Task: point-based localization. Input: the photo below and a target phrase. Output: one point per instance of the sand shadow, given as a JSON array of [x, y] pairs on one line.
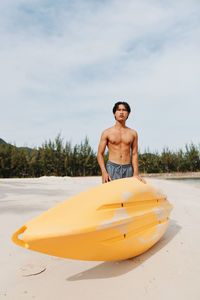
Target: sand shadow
[[117, 268]]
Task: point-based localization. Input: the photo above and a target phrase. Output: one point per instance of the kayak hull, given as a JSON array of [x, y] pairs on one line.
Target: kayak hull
[[114, 221]]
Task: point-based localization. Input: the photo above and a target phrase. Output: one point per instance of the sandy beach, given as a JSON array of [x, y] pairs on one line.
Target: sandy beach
[[169, 270]]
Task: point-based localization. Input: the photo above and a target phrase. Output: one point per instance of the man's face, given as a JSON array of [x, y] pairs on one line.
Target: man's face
[[121, 113]]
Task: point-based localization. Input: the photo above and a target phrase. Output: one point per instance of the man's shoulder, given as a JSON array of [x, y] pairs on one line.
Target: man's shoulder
[[108, 130], [132, 131]]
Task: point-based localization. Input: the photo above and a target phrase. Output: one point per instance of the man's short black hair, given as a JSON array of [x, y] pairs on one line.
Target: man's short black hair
[[115, 107]]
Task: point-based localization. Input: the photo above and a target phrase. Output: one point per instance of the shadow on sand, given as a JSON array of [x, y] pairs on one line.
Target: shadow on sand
[[117, 268]]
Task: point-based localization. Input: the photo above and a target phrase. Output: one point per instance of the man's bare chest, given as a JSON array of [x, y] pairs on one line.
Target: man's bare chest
[[120, 138]]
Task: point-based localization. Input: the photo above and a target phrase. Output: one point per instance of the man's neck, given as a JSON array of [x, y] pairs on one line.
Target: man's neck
[[120, 125]]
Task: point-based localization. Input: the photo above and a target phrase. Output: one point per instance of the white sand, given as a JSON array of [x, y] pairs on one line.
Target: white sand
[[169, 270]]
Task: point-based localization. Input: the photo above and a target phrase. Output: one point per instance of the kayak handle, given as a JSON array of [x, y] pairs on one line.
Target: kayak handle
[[18, 241]]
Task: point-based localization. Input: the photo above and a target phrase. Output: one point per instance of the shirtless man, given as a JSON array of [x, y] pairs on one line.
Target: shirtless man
[[120, 140]]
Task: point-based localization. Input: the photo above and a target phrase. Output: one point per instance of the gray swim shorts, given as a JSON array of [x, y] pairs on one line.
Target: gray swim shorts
[[119, 171]]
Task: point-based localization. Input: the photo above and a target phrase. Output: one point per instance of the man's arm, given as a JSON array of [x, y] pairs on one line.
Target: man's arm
[[101, 150], [135, 158]]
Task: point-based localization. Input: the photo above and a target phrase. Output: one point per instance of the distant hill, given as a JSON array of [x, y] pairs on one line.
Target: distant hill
[[25, 148], [2, 141]]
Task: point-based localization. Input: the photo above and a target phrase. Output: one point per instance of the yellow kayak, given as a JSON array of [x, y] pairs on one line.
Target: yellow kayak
[[112, 221]]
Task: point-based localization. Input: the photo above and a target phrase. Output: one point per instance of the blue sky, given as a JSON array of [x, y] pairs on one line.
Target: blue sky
[[65, 63]]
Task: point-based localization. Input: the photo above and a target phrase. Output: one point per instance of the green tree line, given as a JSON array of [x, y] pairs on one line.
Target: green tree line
[[54, 158]]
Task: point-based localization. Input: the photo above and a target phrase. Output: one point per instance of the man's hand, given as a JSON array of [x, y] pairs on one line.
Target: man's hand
[[105, 177], [139, 178]]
